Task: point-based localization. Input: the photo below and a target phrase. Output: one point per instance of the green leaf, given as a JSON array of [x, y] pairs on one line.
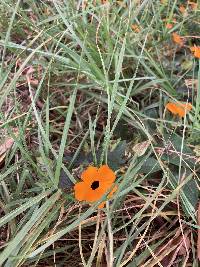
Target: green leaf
[[64, 181], [123, 131], [192, 192], [189, 193], [175, 149], [116, 157], [150, 165]]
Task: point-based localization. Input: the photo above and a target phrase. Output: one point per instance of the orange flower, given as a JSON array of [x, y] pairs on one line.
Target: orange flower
[[196, 50], [169, 25], [95, 183], [179, 109], [177, 39], [135, 27], [170, 22]]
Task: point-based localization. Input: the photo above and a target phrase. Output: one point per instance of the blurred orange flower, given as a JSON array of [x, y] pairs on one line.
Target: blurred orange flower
[[95, 183], [170, 22], [169, 25], [177, 39], [196, 51], [179, 109], [135, 28]]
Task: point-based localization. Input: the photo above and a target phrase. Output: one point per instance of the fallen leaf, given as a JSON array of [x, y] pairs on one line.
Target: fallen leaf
[[141, 148], [166, 253], [185, 246], [6, 145], [193, 5]]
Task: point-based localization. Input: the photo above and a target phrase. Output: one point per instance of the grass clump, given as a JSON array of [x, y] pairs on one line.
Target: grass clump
[[89, 83]]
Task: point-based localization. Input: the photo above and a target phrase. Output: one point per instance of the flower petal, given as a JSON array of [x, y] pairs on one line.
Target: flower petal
[[94, 195], [179, 109], [196, 51], [171, 107], [106, 175], [186, 106], [113, 191], [81, 190], [85, 191], [177, 39], [101, 206], [89, 174]]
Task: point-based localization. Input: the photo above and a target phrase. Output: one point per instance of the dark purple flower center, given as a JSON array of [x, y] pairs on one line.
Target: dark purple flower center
[[95, 185]]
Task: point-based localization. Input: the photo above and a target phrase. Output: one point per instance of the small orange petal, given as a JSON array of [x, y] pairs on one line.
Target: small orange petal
[[187, 106], [196, 51], [171, 107], [80, 190], [101, 206], [169, 25], [177, 39], [89, 174], [179, 109], [135, 28], [180, 112], [94, 195], [113, 191]]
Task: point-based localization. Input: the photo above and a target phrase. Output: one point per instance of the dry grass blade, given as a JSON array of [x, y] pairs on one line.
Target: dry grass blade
[[198, 232]]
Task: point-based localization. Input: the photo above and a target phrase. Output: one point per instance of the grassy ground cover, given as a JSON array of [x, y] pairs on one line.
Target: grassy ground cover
[[94, 83]]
